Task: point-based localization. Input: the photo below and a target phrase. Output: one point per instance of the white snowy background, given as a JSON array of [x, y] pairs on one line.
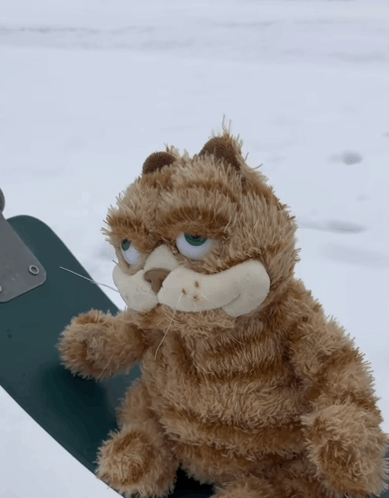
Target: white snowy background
[[89, 88]]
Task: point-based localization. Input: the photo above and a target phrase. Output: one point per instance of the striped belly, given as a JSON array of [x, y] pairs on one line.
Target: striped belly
[[234, 420]]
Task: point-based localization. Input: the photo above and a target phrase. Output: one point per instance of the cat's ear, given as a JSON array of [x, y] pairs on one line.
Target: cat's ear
[[223, 148], [156, 161]]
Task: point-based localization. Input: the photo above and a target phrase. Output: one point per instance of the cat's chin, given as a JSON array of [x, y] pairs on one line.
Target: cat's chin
[[164, 318]]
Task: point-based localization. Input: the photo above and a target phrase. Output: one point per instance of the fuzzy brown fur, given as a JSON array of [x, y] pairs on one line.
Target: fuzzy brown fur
[[275, 403]]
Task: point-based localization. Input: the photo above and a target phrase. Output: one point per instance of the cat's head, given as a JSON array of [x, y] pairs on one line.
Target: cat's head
[[202, 236]]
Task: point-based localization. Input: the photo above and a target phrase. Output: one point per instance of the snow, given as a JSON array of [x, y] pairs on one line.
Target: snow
[[90, 88]]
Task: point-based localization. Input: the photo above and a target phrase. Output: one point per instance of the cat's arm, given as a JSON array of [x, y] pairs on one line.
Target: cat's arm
[[342, 426], [99, 345]]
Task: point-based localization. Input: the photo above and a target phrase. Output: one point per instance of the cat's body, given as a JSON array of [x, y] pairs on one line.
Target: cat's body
[[245, 382], [229, 404]]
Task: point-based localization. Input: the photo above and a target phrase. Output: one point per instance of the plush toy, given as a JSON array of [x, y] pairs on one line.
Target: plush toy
[[246, 384]]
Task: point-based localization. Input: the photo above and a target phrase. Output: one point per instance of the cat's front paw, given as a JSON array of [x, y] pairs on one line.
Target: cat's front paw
[[81, 344]]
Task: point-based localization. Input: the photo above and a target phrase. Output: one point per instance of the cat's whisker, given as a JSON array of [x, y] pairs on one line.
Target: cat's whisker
[[90, 280], [201, 294], [205, 297], [179, 299], [105, 367]]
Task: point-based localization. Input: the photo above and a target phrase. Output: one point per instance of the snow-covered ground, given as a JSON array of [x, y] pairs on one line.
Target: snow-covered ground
[[89, 88]]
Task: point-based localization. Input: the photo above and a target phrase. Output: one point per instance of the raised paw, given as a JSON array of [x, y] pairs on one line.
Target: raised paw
[[81, 344]]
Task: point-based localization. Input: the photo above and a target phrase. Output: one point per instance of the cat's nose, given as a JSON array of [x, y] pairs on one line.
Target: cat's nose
[[156, 277]]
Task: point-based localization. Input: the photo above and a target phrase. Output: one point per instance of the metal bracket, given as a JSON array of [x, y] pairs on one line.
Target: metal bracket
[[20, 270]]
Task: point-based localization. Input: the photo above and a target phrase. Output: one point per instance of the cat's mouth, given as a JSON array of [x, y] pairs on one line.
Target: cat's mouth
[[237, 291]]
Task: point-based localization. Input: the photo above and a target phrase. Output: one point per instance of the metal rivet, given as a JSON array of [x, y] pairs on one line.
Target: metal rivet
[[33, 269]]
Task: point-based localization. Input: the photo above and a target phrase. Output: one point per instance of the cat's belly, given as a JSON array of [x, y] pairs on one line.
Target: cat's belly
[[224, 420], [216, 437]]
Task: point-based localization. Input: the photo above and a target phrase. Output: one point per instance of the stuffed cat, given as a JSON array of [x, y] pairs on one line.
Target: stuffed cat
[[246, 384]]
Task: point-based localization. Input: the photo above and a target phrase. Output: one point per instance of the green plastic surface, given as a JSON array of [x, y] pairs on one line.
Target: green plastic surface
[[77, 413]]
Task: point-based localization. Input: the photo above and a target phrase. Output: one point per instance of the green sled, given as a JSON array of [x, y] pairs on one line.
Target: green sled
[[77, 413]]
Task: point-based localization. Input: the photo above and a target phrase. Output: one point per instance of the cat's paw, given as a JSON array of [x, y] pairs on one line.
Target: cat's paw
[[81, 344]]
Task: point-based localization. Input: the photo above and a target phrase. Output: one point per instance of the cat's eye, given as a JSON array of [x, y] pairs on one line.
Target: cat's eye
[[193, 246], [130, 254]]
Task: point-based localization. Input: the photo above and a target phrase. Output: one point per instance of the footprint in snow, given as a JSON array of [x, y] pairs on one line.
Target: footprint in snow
[[355, 257], [335, 226], [347, 157]]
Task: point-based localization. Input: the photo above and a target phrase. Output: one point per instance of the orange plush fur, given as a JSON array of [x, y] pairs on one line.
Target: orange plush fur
[[263, 396]]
